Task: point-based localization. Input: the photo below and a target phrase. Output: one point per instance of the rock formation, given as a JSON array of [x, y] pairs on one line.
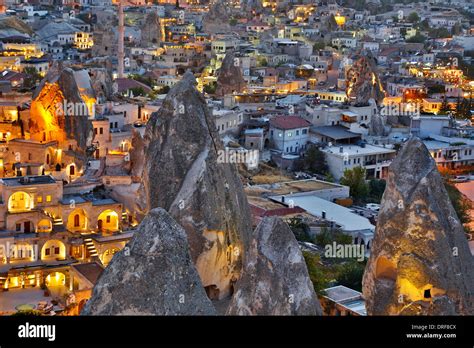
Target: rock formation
[[61, 107], [217, 18], [362, 81], [183, 176], [275, 279], [153, 275], [420, 262], [151, 30], [229, 78], [137, 158], [377, 125]]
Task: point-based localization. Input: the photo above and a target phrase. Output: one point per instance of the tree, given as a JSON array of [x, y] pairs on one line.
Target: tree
[[376, 189], [315, 161], [316, 272], [355, 179], [210, 88], [444, 108], [350, 274], [460, 203], [319, 45], [417, 38], [463, 109], [32, 79], [413, 17], [164, 90], [327, 237]]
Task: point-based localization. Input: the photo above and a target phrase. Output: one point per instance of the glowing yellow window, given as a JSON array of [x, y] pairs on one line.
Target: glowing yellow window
[[39, 199], [48, 198]]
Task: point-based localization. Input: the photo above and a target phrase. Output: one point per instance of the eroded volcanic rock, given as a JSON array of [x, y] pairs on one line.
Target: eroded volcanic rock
[[50, 120], [362, 81], [151, 29], [230, 77], [153, 275], [183, 176], [275, 279], [420, 262]]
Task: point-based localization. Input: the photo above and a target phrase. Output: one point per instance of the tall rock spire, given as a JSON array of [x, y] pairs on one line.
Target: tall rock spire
[[420, 262], [183, 175]]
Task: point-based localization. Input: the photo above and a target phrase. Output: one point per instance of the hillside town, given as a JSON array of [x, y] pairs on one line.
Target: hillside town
[[235, 116]]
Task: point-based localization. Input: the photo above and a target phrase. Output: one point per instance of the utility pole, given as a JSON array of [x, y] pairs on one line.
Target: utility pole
[[121, 34]]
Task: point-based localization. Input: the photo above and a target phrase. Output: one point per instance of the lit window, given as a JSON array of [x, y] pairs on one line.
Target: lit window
[[39, 199], [48, 198]]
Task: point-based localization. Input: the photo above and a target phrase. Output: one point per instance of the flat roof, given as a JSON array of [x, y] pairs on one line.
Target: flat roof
[[335, 132], [355, 150], [341, 293], [348, 220], [296, 186], [29, 180]]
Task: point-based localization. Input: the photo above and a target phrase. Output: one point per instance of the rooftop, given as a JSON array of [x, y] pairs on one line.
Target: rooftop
[[289, 122], [335, 132], [355, 150], [28, 180], [342, 216]]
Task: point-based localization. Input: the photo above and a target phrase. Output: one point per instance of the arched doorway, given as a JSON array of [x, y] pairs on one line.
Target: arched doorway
[[108, 220], [55, 279], [53, 250], [20, 201], [72, 169], [44, 225], [77, 220]]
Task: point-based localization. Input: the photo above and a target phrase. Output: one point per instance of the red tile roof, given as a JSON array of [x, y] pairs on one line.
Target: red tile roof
[[124, 84], [289, 122]]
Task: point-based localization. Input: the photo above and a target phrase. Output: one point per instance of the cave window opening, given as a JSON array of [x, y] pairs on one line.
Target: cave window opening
[[427, 293]]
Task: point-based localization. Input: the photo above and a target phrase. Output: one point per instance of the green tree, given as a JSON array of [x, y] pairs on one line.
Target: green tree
[[461, 204], [210, 88], [376, 189], [164, 90], [350, 274], [413, 17], [463, 109], [315, 161], [444, 108], [355, 179], [319, 45], [32, 77], [316, 272], [417, 38]]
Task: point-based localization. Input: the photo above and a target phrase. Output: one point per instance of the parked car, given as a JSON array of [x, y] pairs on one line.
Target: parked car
[[373, 206]]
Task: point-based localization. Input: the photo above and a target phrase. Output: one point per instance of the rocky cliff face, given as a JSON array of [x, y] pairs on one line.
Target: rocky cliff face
[[275, 279], [217, 18], [230, 77], [183, 176], [153, 275], [420, 262], [151, 30], [61, 107], [363, 82]]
